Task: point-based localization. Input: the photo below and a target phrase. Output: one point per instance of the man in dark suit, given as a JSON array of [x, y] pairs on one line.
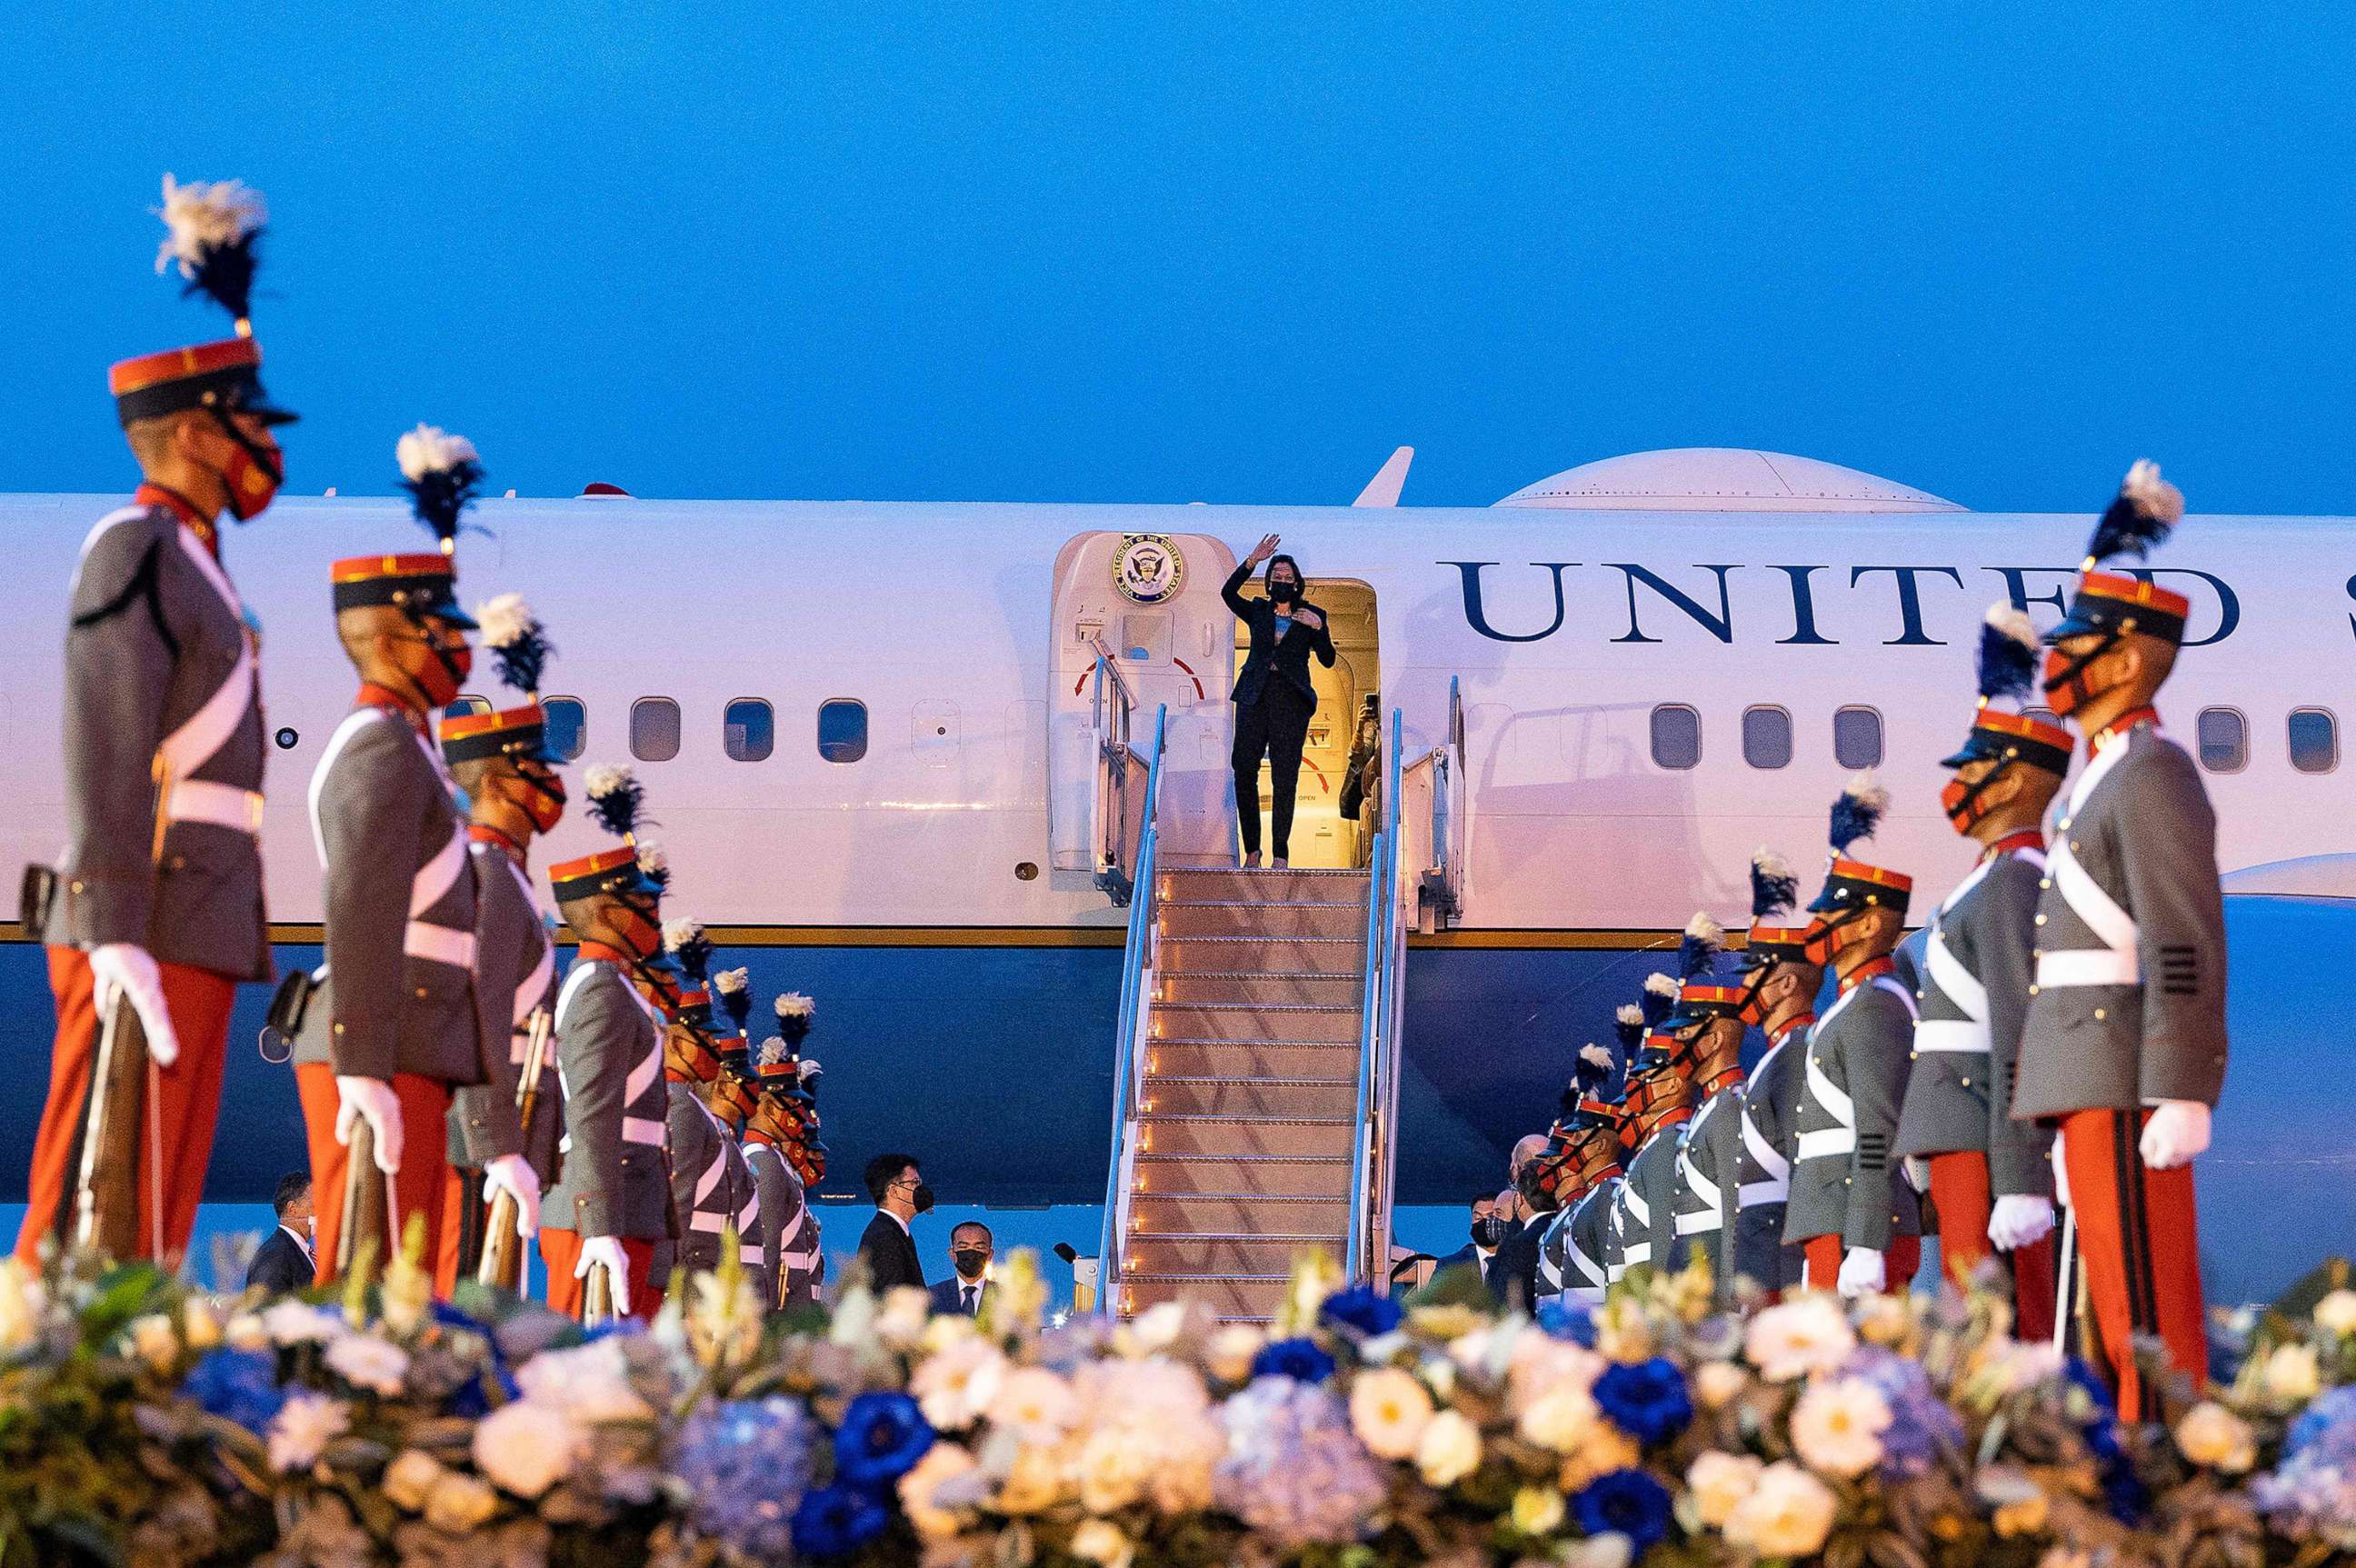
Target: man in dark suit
[[1512, 1273], [898, 1187], [1274, 694], [963, 1293], [284, 1263], [1487, 1230]]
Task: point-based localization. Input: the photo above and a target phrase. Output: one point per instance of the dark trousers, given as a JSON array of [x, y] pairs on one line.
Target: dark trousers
[[1277, 726]]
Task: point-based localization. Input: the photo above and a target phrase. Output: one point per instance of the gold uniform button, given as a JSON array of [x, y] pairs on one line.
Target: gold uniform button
[[421, 993], [2100, 1015], [2041, 919], [2047, 883], [2032, 991]]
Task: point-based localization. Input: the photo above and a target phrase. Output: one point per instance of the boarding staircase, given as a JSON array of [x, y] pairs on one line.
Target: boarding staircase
[[1255, 1073]]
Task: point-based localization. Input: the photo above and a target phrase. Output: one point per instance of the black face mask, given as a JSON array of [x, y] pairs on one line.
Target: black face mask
[[970, 1262], [1284, 593], [922, 1197], [1487, 1231]]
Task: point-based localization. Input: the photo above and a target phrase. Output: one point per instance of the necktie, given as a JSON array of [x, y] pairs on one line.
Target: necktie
[[969, 1293]]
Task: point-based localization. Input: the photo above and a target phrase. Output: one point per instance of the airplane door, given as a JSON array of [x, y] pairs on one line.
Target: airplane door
[[1152, 601]]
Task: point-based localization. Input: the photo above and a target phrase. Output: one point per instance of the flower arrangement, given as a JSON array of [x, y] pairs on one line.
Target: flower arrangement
[[140, 1423]]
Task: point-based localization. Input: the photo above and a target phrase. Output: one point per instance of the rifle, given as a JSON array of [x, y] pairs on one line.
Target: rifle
[[597, 1297], [369, 1229], [106, 1188], [502, 1247]]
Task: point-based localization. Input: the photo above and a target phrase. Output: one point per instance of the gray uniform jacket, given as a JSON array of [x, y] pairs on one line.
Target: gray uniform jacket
[[400, 993], [744, 1196], [1647, 1205], [1572, 1256], [779, 1194], [2129, 1000], [609, 1061], [1771, 1099], [160, 663], [1973, 996], [1708, 1180], [699, 1179], [515, 971], [1846, 1182]]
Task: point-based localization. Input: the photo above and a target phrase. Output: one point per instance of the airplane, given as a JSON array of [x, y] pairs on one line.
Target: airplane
[[870, 734]]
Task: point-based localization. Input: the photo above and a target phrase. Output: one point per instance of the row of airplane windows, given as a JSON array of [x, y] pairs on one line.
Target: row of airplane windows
[[2220, 737], [749, 733]]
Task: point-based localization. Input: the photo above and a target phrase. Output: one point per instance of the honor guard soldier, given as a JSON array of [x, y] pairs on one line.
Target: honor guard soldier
[[789, 1103], [1660, 1102], [1779, 999], [1850, 1205], [505, 764], [1571, 1254], [735, 1097], [2125, 1041], [789, 1228], [700, 1189], [1707, 1025], [1991, 1176], [397, 1022], [1557, 1169], [154, 915], [611, 1204]]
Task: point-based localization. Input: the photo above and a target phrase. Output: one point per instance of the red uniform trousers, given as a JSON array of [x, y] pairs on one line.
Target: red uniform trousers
[[1960, 1191], [1899, 1263], [424, 1157], [2138, 1241], [182, 1104], [561, 1250]]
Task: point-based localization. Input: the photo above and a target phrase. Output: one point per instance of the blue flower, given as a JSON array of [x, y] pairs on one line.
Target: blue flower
[[2076, 1369], [1921, 1427], [881, 1438], [1362, 1309], [1563, 1320], [837, 1520], [1299, 1360], [745, 1465], [1293, 1470], [1628, 1501], [2330, 1420], [1647, 1401], [236, 1385]]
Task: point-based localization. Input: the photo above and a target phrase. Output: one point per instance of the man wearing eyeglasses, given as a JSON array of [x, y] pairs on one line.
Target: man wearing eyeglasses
[[898, 1187]]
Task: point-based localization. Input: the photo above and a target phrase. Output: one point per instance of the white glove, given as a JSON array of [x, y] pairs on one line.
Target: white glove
[[607, 1250], [513, 1175], [126, 970], [370, 1100], [1862, 1273], [2179, 1129], [2020, 1221], [1918, 1173], [2060, 1175]]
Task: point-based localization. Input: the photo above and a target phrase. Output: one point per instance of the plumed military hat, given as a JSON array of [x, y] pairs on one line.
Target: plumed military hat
[[1851, 884], [212, 233], [2144, 512]]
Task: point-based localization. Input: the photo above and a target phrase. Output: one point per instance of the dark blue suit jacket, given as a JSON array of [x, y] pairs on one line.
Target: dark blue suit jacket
[[948, 1295], [1287, 661], [279, 1266]]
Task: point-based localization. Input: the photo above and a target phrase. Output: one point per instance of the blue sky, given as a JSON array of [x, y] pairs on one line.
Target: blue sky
[[1214, 252]]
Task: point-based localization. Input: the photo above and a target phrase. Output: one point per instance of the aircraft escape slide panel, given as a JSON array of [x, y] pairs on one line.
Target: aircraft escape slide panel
[[1152, 600]]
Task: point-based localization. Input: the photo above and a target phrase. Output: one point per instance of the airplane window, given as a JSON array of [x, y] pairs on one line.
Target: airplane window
[[1676, 737], [2224, 739], [467, 704], [749, 729], [1767, 737], [568, 725], [841, 729], [1857, 737], [2314, 740], [654, 730]]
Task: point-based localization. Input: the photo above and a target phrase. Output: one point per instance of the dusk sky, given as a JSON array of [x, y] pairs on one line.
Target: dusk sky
[[1228, 252]]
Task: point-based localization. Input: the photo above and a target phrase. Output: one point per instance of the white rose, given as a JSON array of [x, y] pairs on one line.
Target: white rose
[[291, 1322], [591, 1383], [1806, 1334], [1788, 1514], [1609, 1550], [301, 1430], [942, 1462], [957, 1383], [901, 1324], [2213, 1436], [1720, 1482], [2335, 1312], [527, 1447], [1836, 1427], [154, 1340], [1034, 1402], [246, 1331], [1103, 1544], [1448, 1450], [1717, 1384], [1159, 1326], [1388, 1409], [1560, 1421], [410, 1479], [2292, 1373], [368, 1362], [1232, 1351]]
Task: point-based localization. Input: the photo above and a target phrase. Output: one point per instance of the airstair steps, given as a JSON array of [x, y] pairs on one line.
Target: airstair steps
[[1247, 1096]]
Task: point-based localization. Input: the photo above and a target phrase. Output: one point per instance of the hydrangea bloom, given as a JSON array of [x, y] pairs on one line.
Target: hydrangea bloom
[[745, 1465], [1293, 1468], [1921, 1426]]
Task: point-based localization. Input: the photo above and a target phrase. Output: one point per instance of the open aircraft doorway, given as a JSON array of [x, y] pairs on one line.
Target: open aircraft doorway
[[1322, 836]]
